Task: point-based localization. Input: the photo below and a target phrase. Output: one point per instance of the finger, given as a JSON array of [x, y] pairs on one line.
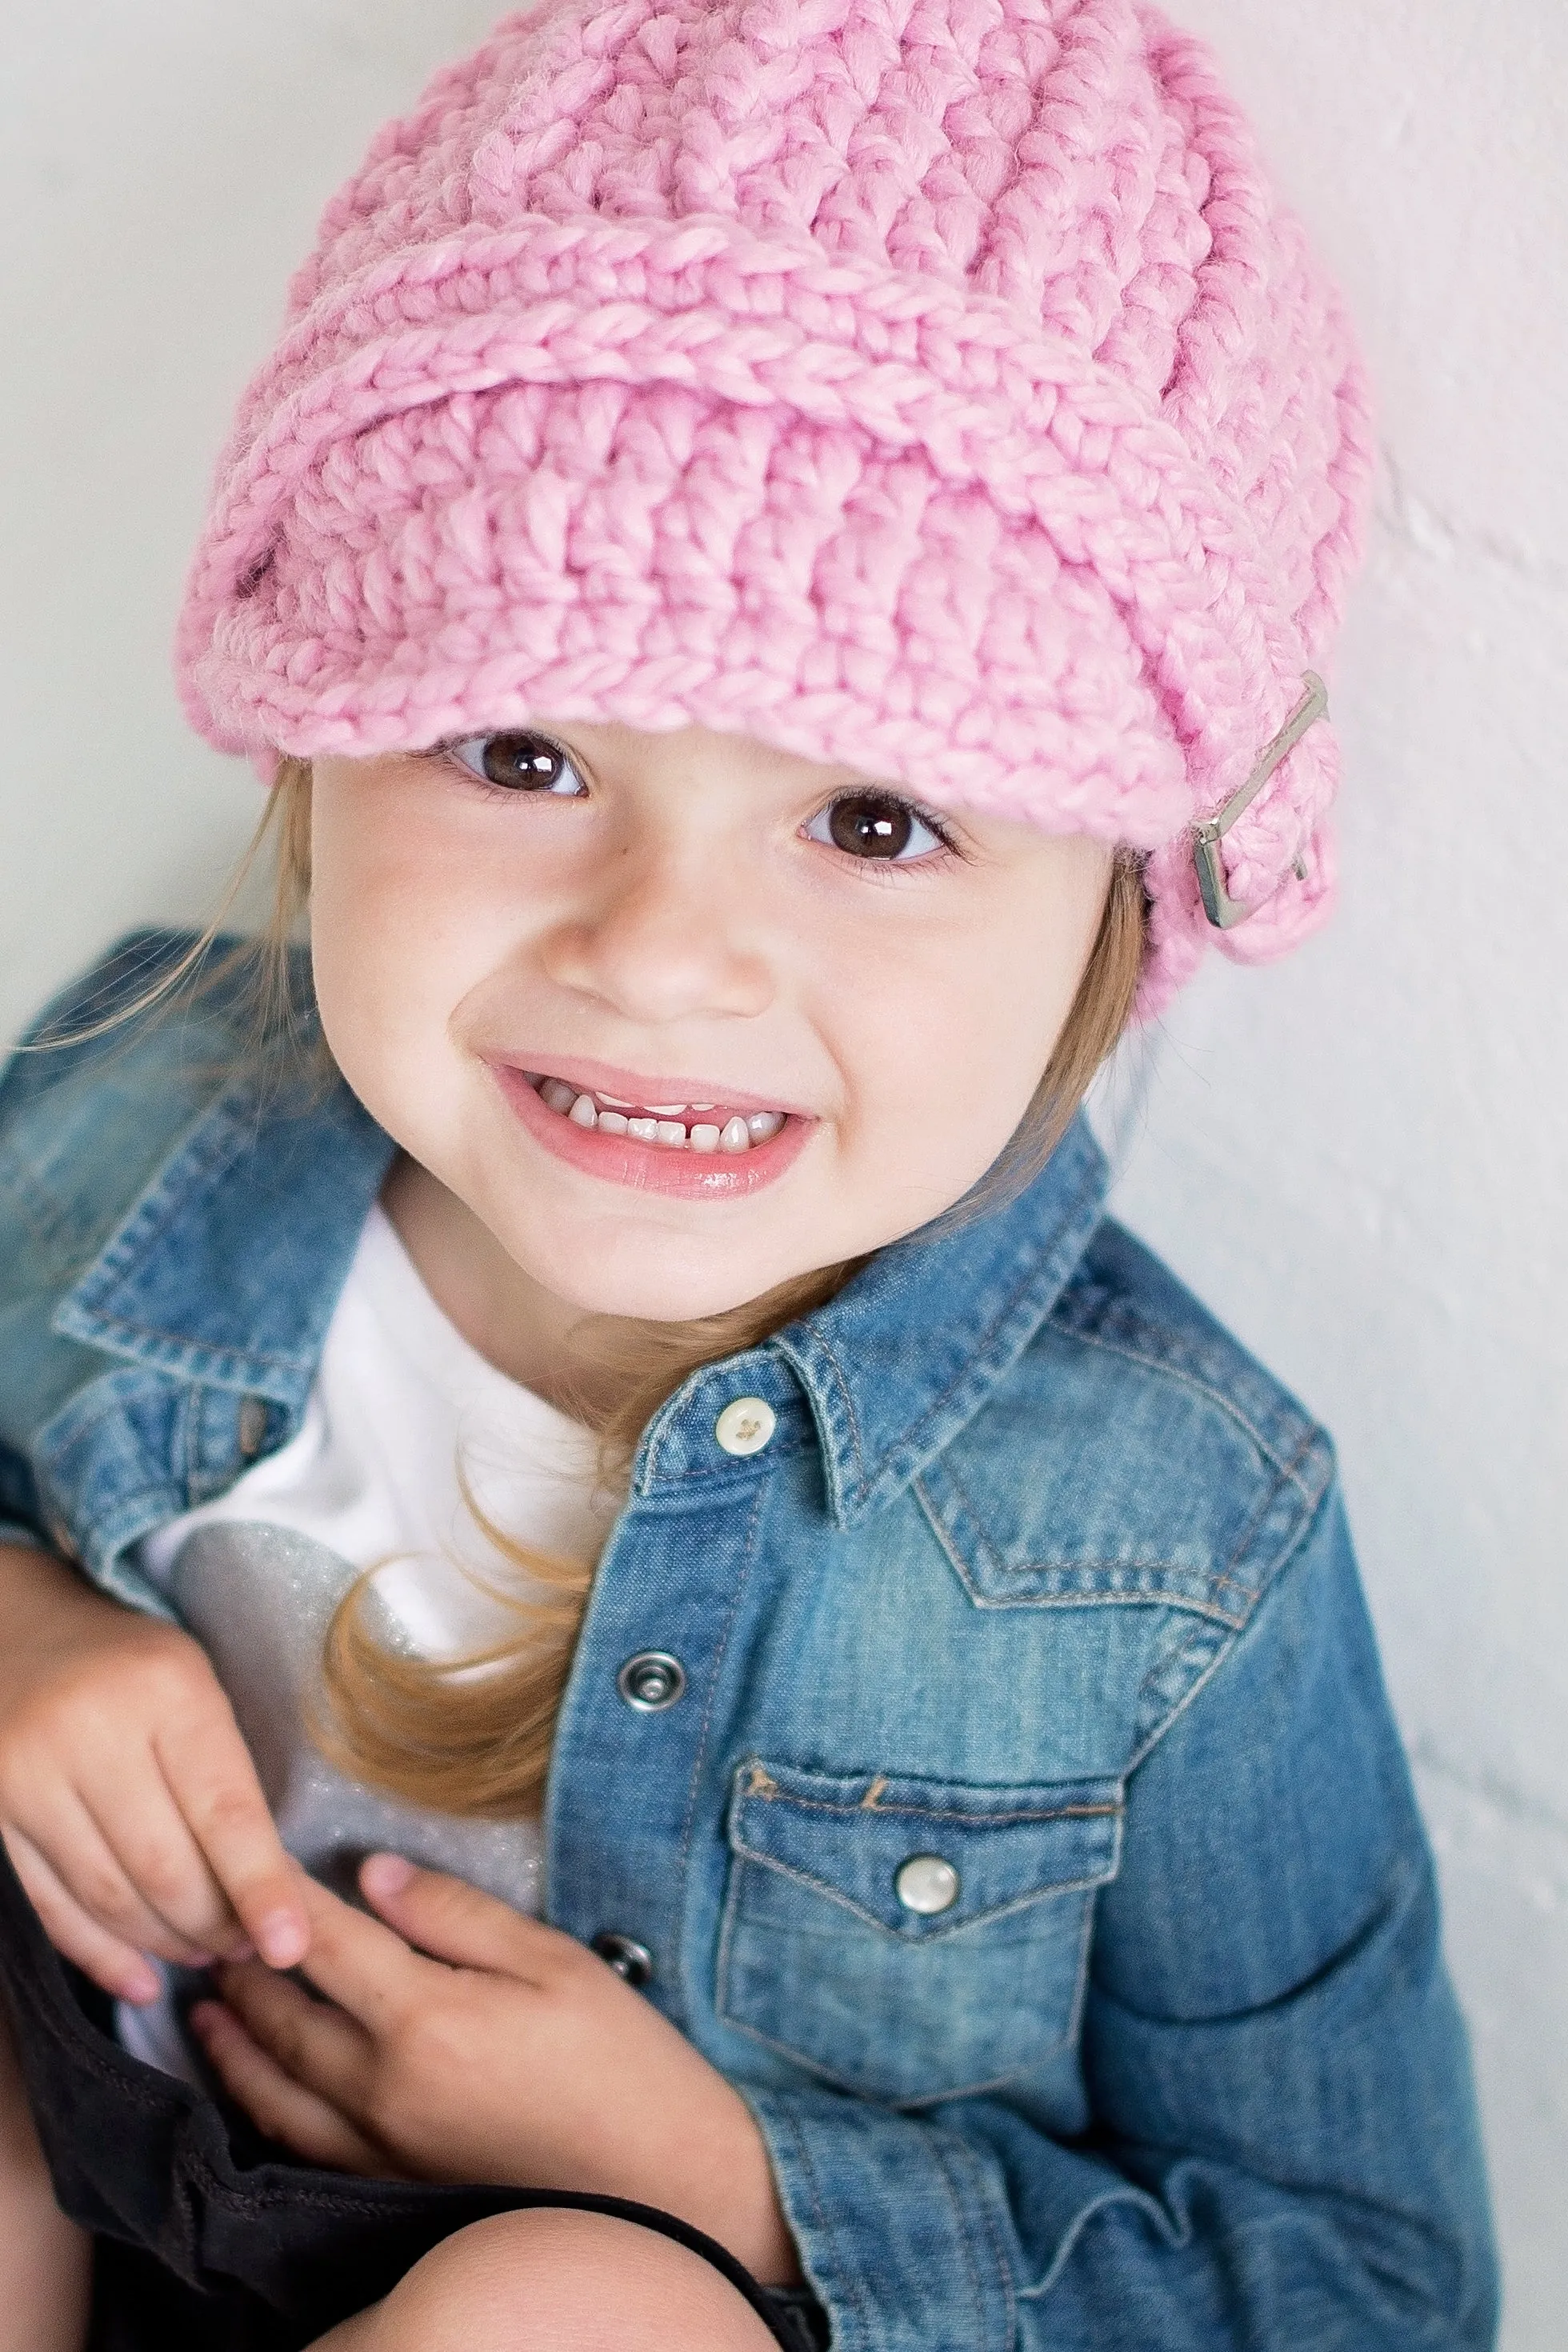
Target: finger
[[113, 1964], [212, 1783], [313, 2042], [63, 1829], [143, 1827], [367, 1968], [284, 2109], [456, 1923]]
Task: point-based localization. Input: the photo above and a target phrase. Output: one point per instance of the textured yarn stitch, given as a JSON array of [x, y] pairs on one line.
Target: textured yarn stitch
[[933, 386]]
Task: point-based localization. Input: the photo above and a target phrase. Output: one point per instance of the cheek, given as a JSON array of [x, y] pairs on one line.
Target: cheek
[[949, 1046], [396, 941], [945, 1089]]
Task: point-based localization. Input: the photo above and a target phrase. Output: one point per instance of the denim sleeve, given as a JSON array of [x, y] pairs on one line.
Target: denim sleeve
[[24, 1537], [1285, 2151]]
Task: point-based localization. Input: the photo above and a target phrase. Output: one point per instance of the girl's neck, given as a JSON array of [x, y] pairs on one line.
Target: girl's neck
[[517, 1325], [611, 1373]]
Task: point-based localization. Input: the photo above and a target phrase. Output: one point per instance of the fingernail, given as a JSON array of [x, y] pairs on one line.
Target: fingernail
[[385, 1873], [140, 1985], [284, 1939]]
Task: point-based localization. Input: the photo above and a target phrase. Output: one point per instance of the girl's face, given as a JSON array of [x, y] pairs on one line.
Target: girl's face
[[832, 1005]]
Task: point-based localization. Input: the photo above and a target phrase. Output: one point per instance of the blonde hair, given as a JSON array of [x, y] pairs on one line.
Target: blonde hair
[[437, 1732]]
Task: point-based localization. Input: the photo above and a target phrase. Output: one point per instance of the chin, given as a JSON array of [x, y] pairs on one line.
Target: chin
[[653, 1281]]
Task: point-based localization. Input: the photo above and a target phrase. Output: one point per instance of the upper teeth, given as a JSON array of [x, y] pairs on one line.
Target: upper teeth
[[658, 1122]]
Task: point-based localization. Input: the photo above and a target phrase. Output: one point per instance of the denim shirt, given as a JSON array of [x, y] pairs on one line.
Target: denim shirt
[[1042, 1584]]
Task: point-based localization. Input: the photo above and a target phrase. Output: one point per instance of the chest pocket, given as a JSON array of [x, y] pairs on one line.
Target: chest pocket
[[911, 1940]]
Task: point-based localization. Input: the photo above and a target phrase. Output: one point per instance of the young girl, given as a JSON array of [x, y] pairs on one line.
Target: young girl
[[658, 1691]]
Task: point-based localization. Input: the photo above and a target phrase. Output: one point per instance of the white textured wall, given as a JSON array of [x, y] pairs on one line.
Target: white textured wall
[[1358, 1157]]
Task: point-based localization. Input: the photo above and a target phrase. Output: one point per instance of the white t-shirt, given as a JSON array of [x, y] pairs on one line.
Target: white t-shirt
[[371, 1476]]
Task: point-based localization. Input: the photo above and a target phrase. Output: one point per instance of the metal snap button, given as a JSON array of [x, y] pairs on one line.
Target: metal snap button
[[926, 1884], [651, 1681], [745, 1425], [625, 1955]]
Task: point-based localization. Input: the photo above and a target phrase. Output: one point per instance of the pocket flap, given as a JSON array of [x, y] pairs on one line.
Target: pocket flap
[[925, 1858]]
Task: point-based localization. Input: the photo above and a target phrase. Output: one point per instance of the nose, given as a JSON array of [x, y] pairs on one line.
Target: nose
[[661, 938]]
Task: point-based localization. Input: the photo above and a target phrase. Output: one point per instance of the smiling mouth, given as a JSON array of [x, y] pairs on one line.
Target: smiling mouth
[[697, 1127]]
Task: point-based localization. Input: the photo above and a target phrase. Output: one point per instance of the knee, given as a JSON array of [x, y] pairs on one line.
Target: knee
[[552, 2280], [44, 2260]]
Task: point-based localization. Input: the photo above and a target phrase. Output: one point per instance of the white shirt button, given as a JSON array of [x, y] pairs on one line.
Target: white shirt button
[[926, 1884], [745, 1425]]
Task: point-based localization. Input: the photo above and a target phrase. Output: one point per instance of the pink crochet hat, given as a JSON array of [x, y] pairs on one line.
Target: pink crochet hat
[[930, 386]]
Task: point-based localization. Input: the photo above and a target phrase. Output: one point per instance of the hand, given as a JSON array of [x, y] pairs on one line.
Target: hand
[[128, 1803], [510, 2054]]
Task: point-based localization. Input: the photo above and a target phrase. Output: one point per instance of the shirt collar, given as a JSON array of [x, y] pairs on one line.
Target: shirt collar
[[904, 1354], [227, 1269], [881, 1377]]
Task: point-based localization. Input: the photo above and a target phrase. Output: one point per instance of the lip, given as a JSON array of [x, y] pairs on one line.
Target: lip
[[682, 1175]]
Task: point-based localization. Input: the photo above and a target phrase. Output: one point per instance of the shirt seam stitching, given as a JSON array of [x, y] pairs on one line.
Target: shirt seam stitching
[[825, 2220], [1137, 1567], [984, 1345], [1283, 1465]]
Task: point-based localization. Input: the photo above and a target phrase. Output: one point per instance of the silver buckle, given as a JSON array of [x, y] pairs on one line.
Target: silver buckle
[[1221, 909]]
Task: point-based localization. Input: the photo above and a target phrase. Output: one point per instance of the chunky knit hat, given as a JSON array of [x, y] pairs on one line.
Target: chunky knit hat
[[930, 386]]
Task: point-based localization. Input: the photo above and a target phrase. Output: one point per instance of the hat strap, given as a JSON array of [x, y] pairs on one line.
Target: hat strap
[[1221, 909]]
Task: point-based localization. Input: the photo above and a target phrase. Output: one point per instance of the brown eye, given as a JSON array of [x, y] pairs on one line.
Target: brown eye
[[874, 825], [520, 761]]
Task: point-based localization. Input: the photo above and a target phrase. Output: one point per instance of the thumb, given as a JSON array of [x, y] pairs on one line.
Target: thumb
[[454, 1921]]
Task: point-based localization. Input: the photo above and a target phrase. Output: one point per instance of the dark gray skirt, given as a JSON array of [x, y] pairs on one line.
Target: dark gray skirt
[[209, 2238]]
